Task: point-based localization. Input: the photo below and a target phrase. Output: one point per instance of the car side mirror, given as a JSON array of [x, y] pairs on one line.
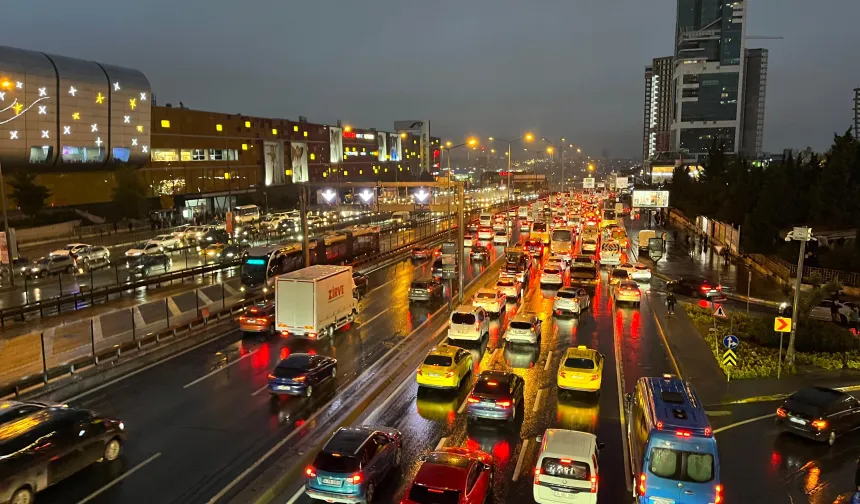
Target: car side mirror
[[601, 445], [487, 467]]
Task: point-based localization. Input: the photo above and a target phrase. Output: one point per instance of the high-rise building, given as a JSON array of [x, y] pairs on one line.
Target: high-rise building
[[752, 118], [857, 113], [658, 107], [708, 75]]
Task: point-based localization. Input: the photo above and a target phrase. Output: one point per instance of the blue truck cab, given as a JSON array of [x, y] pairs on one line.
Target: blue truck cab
[[673, 453]]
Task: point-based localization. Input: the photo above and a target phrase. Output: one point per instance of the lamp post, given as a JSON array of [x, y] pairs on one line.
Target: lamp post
[[6, 228], [528, 137]]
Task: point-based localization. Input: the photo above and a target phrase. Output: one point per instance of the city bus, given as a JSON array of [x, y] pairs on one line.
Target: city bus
[[246, 213], [673, 453]]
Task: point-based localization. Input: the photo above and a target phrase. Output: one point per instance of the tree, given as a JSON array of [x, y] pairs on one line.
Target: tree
[[29, 195], [129, 195], [805, 303]]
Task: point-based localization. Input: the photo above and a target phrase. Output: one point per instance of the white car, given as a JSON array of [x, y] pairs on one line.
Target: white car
[[551, 275], [500, 238], [626, 292], [180, 232], [491, 299], [467, 240], [570, 301], [72, 249], [144, 249], [510, 286], [469, 323], [589, 244], [640, 273], [166, 242], [499, 226], [524, 328], [557, 261], [485, 233]]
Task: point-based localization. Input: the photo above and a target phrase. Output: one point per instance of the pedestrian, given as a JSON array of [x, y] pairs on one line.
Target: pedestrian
[[726, 255], [834, 311], [663, 236], [130, 227], [115, 227], [670, 302]]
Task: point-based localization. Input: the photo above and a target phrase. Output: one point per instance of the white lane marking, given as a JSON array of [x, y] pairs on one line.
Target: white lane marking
[[463, 405], [520, 460], [744, 422], [222, 368], [296, 495], [118, 479], [548, 361], [537, 401], [440, 444], [371, 319], [264, 387], [622, 411]]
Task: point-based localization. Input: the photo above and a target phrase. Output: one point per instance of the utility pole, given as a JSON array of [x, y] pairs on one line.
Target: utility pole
[[6, 228], [461, 259], [803, 235], [510, 189], [303, 210]]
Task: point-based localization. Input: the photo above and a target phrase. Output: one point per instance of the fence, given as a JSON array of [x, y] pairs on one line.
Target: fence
[[787, 270]]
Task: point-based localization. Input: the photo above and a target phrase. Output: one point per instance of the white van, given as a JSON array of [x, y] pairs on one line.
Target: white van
[[644, 236], [469, 323], [566, 469], [486, 219]]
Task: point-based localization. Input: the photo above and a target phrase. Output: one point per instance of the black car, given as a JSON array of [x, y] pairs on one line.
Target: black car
[[298, 373], [496, 395], [479, 253], [233, 252], [819, 413], [425, 290], [695, 287], [214, 236], [50, 444], [145, 265], [362, 283], [437, 267]]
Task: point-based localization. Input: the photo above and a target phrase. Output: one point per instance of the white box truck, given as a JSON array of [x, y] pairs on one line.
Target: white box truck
[[315, 301]]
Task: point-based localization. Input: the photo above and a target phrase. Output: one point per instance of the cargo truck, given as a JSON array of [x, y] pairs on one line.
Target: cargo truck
[[315, 301]]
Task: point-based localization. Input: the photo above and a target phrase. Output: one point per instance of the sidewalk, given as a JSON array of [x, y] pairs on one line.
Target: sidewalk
[[690, 351]]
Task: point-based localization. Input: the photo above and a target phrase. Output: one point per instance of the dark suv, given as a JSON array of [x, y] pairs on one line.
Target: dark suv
[[427, 289], [352, 463], [819, 413]]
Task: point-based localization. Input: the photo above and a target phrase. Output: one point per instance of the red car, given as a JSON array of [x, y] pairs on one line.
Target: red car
[[452, 476]]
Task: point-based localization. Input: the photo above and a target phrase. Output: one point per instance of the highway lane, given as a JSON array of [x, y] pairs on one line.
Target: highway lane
[[199, 420]]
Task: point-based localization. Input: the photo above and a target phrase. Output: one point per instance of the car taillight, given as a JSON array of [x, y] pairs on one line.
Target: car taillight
[[594, 484], [683, 433], [312, 335], [242, 319], [473, 399], [300, 378], [705, 288], [503, 404], [271, 376], [594, 377], [449, 374], [420, 372], [642, 485], [781, 412], [537, 475], [310, 472], [819, 424], [356, 479], [285, 333], [718, 490], [562, 374]]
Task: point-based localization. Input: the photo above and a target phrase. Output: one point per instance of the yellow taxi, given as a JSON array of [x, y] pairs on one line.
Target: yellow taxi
[[581, 368], [444, 367]]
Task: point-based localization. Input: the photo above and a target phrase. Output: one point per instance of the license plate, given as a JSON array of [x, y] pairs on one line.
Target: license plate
[[282, 387], [568, 495], [332, 482], [798, 421], [661, 500], [433, 375]]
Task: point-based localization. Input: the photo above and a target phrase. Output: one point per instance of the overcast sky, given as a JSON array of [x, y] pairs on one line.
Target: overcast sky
[[570, 68]]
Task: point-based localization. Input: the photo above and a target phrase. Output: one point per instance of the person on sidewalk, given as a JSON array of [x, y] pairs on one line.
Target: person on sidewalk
[[670, 302]]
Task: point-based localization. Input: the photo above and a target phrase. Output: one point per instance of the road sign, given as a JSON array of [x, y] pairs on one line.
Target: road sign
[[782, 324], [588, 183], [719, 312], [731, 341], [801, 233], [730, 359]]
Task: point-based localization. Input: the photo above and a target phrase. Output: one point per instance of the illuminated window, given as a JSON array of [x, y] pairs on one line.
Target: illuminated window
[[305, 134], [164, 155], [274, 131], [313, 156], [288, 172], [345, 173], [361, 172], [363, 149], [198, 155], [386, 170], [185, 155], [295, 128], [165, 123], [218, 127], [247, 124], [414, 142], [244, 146], [325, 174]]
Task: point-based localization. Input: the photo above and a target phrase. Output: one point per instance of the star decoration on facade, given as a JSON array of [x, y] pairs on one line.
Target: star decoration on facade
[[43, 92], [17, 107], [99, 141], [76, 116], [140, 128], [45, 134], [43, 109], [132, 103], [145, 148], [13, 135], [116, 86], [134, 141], [100, 98], [142, 96], [67, 130], [19, 85], [72, 90], [94, 128], [126, 119]]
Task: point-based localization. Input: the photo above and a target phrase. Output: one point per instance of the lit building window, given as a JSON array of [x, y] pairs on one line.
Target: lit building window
[[274, 131], [313, 156], [325, 174], [345, 173], [305, 134], [198, 155], [247, 124], [244, 146], [296, 129], [165, 123], [219, 127], [164, 155]]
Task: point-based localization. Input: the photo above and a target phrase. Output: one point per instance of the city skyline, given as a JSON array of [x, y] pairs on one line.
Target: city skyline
[[483, 72]]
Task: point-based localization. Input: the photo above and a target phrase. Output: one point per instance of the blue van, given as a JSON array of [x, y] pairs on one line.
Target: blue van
[[673, 453]]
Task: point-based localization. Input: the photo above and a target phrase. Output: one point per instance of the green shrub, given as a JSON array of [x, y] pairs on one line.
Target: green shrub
[[818, 336]]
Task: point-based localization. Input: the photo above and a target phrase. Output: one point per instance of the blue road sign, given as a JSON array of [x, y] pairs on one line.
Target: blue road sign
[[731, 341]]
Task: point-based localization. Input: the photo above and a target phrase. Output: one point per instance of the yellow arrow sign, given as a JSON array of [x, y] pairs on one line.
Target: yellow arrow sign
[[782, 324], [730, 359]]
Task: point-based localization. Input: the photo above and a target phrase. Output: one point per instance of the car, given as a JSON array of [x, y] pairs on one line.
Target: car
[[618, 275], [438, 268], [519, 264], [534, 247], [695, 287], [500, 238], [47, 445], [490, 299], [213, 251], [496, 395], [819, 413], [427, 289], [510, 286], [485, 233], [570, 301], [479, 252], [167, 242], [525, 226], [444, 367], [143, 265], [258, 318], [298, 373], [566, 468], [452, 475], [361, 282], [637, 272], [214, 236], [180, 231], [589, 244], [627, 292], [144, 248], [72, 249], [581, 369], [421, 253], [558, 262], [551, 275], [13, 410], [45, 266], [469, 323], [468, 241], [499, 226], [584, 260], [233, 252], [352, 463], [524, 328], [194, 233]]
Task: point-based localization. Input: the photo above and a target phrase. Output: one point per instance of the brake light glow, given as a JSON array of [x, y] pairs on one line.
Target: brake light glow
[[271, 376], [300, 378], [659, 425], [473, 399], [565, 461], [312, 335], [310, 472], [683, 433], [708, 431], [642, 485], [819, 424], [492, 383], [594, 484], [449, 374], [718, 498], [356, 479], [503, 404], [781, 412], [595, 377], [562, 374]]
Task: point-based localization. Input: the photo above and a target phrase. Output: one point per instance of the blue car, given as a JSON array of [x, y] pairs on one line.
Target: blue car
[[299, 373], [496, 395], [352, 463]]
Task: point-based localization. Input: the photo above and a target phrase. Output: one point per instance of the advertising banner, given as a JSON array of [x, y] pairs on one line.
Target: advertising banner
[[394, 145], [650, 199], [273, 154], [335, 144], [4, 249], [621, 182], [588, 183], [299, 160], [382, 145]]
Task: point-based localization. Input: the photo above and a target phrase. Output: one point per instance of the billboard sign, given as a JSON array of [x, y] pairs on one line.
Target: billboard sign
[[394, 146], [299, 160], [382, 145], [588, 183], [335, 144], [621, 182], [273, 152], [650, 199]]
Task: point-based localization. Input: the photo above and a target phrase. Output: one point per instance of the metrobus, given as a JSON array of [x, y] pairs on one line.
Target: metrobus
[[246, 213]]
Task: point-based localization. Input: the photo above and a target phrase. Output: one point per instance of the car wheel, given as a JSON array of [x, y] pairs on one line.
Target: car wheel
[[831, 439], [368, 494], [22, 496], [309, 391], [112, 449]]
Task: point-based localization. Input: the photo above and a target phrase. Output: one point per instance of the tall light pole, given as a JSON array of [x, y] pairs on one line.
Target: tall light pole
[[449, 146], [528, 137], [6, 228]]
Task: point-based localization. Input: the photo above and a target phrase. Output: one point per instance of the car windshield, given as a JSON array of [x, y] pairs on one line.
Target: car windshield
[[438, 360], [550, 271], [540, 227], [561, 235], [491, 387], [579, 363], [583, 272], [619, 273], [487, 295], [463, 318], [424, 495], [505, 283], [44, 260], [590, 241], [336, 463], [520, 324], [419, 285], [566, 295]]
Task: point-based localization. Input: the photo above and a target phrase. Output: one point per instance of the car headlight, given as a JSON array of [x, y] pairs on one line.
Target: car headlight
[[36, 270]]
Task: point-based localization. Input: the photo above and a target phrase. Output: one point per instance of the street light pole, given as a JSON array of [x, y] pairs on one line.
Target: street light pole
[[510, 189], [801, 234], [6, 227], [461, 260]]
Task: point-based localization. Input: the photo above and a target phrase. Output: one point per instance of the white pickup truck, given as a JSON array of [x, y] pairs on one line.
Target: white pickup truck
[[315, 301]]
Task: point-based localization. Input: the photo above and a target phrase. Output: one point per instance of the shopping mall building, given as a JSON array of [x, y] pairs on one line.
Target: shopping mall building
[[75, 122]]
